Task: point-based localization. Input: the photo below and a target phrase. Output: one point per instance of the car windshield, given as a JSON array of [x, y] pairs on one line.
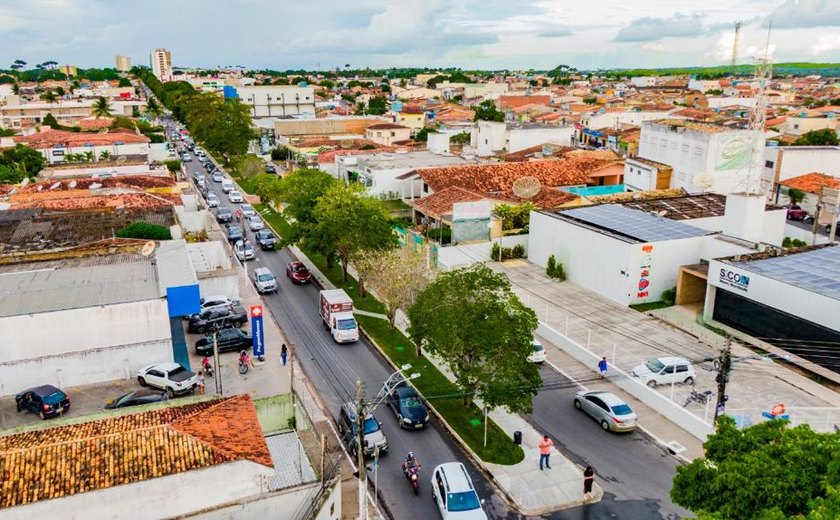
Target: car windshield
[[621, 409], [54, 398], [654, 365], [466, 501], [265, 277], [121, 400], [411, 402], [176, 371], [235, 231], [348, 324], [538, 347], [371, 425]]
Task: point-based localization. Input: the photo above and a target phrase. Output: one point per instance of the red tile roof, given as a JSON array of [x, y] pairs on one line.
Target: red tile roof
[[51, 138], [506, 102], [439, 203], [76, 200], [67, 460], [93, 123], [811, 182], [387, 126]]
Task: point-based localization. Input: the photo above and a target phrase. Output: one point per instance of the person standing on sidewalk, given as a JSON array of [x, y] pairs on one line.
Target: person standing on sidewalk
[[284, 352], [588, 480], [602, 366], [199, 381], [545, 451]]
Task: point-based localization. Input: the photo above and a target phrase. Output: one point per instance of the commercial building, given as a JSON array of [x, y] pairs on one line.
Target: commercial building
[[123, 63], [161, 61], [274, 100], [492, 137], [57, 145], [785, 162], [16, 115]]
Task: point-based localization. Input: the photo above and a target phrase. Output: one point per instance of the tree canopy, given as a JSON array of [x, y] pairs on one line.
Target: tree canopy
[[19, 163], [223, 126], [471, 318], [377, 105], [823, 137], [487, 111], [769, 470]]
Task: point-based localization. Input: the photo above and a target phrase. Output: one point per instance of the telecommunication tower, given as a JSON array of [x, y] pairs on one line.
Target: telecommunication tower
[[735, 44]]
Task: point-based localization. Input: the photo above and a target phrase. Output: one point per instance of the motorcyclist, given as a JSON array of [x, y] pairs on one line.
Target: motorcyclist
[[244, 358], [411, 461], [206, 365]]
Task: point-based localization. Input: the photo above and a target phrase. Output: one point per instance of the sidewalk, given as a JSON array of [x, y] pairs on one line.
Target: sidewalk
[[533, 492]]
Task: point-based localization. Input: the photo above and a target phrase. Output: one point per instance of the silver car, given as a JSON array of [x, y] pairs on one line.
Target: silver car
[[611, 412], [255, 223], [247, 210], [212, 201], [244, 251]]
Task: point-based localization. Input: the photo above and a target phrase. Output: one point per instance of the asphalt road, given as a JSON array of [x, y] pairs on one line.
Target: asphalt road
[[634, 472], [808, 226]]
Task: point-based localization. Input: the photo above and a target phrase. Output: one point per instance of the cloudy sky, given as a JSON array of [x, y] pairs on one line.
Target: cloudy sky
[[484, 34]]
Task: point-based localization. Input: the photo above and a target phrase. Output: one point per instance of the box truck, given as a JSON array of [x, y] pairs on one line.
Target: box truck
[[337, 312]]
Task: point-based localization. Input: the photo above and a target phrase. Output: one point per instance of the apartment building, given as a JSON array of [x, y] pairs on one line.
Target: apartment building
[[274, 100], [123, 63], [162, 64], [16, 115]]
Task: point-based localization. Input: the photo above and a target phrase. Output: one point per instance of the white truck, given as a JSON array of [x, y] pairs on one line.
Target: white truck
[[337, 312]]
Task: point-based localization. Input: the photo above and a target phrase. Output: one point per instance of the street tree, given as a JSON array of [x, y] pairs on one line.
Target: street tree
[[50, 97], [300, 192], [269, 188], [487, 111], [472, 320], [397, 276], [19, 163], [347, 223], [101, 108], [769, 470], [823, 137], [153, 108], [222, 125]]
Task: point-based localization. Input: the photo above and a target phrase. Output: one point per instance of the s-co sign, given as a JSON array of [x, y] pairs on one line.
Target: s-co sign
[[735, 280]]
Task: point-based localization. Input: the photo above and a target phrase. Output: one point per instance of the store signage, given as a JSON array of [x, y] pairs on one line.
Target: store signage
[[644, 272], [257, 336], [734, 279]]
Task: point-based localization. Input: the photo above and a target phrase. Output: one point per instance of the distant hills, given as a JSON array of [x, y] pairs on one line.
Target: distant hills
[[779, 69]]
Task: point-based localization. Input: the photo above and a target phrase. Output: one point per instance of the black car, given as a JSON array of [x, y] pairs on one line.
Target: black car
[[234, 233], [221, 316], [409, 408], [229, 340], [224, 215], [266, 239], [46, 401], [136, 398], [270, 168]]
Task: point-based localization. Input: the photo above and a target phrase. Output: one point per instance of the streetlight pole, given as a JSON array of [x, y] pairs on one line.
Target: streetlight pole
[[360, 451], [217, 367], [723, 377]]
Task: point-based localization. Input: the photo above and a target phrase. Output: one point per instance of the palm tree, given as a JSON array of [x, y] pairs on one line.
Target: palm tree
[[153, 108], [16, 88], [101, 108], [88, 156], [60, 91], [104, 155], [50, 97]]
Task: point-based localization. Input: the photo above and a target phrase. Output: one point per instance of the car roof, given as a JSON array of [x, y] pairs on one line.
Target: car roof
[[262, 270], [609, 398], [672, 360], [297, 263], [457, 479], [166, 365], [43, 390], [406, 391]]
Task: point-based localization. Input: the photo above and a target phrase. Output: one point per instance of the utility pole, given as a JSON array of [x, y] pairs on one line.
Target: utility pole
[[216, 366], [360, 451], [723, 377]]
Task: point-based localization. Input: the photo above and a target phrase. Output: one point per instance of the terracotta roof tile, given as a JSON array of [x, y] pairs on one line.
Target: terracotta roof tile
[[811, 182], [439, 203], [51, 138], [386, 126], [67, 460], [506, 102]]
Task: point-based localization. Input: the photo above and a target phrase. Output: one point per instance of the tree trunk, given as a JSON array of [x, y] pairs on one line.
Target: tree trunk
[[467, 400], [392, 318], [330, 261], [344, 270], [361, 287]]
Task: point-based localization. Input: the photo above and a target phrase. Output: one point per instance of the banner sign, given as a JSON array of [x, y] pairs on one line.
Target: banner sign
[[257, 336]]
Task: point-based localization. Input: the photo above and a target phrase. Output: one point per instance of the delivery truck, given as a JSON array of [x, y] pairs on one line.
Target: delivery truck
[[337, 312]]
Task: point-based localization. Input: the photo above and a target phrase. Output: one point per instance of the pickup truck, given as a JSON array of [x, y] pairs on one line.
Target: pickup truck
[[796, 213], [168, 376]]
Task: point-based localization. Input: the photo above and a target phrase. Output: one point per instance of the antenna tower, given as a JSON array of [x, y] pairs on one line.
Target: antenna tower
[[735, 44], [758, 117]]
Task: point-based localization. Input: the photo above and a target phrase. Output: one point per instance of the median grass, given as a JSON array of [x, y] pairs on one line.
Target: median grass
[[441, 393]]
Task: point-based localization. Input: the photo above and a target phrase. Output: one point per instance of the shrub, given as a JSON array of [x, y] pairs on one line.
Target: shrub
[[554, 269], [436, 234], [174, 165], [518, 251], [500, 254], [669, 296], [281, 153], [141, 229]]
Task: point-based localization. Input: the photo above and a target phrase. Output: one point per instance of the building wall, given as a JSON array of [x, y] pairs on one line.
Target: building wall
[[281, 504], [612, 119], [489, 137], [413, 121], [643, 81], [388, 136], [782, 163], [82, 346], [277, 100], [522, 138], [57, 155], [329, 126], [163, 497], [803, 125]]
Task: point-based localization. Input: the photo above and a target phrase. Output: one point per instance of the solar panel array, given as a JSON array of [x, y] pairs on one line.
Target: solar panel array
[[633, 223], [816, 271]]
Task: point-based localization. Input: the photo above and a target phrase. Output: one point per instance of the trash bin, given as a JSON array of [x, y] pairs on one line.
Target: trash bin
[[517, 437]]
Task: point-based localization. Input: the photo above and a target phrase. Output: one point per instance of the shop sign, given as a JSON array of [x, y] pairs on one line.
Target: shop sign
[[734, 279]]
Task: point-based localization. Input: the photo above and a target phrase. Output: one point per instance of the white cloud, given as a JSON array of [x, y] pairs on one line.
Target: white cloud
[[806, 13], [826, 43], [654, 46]]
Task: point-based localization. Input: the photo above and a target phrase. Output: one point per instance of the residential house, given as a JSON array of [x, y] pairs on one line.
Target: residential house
[[411, 116], [56, 145], [17, 115], [491, 137], [387, 134], [811, 184]]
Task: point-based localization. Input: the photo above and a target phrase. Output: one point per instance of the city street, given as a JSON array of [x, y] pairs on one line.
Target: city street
[[634, 473]]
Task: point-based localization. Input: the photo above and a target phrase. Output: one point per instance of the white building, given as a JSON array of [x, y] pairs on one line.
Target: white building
[[643, 81], [123, 63], [803, 125], [784, 162], [275, 100], [703, 85], [161, 61], [492, 137], [599, 121], [726, 102], [704, 156]]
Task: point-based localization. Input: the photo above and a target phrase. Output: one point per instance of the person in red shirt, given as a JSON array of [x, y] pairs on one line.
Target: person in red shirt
[[545, 451]]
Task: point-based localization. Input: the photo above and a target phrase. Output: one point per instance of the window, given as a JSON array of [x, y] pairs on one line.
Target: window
[[682, 368], [393, 134], [769, 164]]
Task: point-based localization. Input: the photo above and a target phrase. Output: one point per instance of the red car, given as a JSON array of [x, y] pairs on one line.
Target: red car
[[298, 273], [796, 213]]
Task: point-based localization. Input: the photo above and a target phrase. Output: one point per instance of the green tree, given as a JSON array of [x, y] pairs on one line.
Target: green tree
[[50, 97], [347, 223], [281, 153], [19, 163], [50, 121], [397, 276], [124, 82], [327, 84], [423, 135], [104, 155], [768, 470], [153, 108], [377, 105], [173, 165], [60, 91], [796, 195], [101, 108], [487, 111], [300, 192], [141, 229], [223, 126], [823, 137], [471, 318], [248, 166]]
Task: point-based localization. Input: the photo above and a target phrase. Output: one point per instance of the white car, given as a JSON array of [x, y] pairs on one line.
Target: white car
[[612, 413], [218, 176], [247, 210], [235, 197], [169, 376], [244, 251], [212, 200], [255, 223], [227, 185], [665, 371], [211, 302], [538, 355], [454, 493]]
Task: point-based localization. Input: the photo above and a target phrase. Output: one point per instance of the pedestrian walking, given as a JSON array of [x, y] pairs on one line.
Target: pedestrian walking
[[545, 451], [588, 479], [284, 352], [200, 382], [602, 366]]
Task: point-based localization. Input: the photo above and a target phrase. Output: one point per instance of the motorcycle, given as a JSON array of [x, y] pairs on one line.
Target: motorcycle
[[699, 397], [412, 473], [243, 367]]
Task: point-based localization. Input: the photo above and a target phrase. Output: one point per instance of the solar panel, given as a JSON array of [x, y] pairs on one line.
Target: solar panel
[[633, 223], [816, 271]]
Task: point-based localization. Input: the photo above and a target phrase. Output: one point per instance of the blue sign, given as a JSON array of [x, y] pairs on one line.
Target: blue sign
[[257, 336], [183, 300]]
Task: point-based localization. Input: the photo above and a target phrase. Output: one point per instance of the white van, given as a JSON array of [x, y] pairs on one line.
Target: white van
[[664, 371], [227, 185], [264, 280]]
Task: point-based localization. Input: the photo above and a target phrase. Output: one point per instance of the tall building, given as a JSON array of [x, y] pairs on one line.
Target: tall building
[[70, 70], [123, 63], [162, 64]]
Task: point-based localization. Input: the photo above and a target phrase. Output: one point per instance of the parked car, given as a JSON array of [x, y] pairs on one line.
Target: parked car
[[227, 185], [46, 401], [222, 316], [228, 340], [265, 239], [664, 371], [198, 177], [373, 435], [186, 157], [264, 280], [244, 250], [247, 210], [408, 407], [224, 214], [212, 302], [612, 413], [235, 197], [828, 227], [255, 223], [136, 398], [795, 212], [218, 176], [538, 355], [234, 234], [297, 272], [212, 200], [454, 493], [169, 376], [270, 168]]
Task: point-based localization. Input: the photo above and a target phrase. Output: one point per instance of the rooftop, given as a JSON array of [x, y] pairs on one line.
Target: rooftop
[[815, 270], [696, 126], [684, 207], [416, 159], [439, 204], [76, 283], [631, 225], [387, 126], [67, 460], [60, 138], [811, 182]]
